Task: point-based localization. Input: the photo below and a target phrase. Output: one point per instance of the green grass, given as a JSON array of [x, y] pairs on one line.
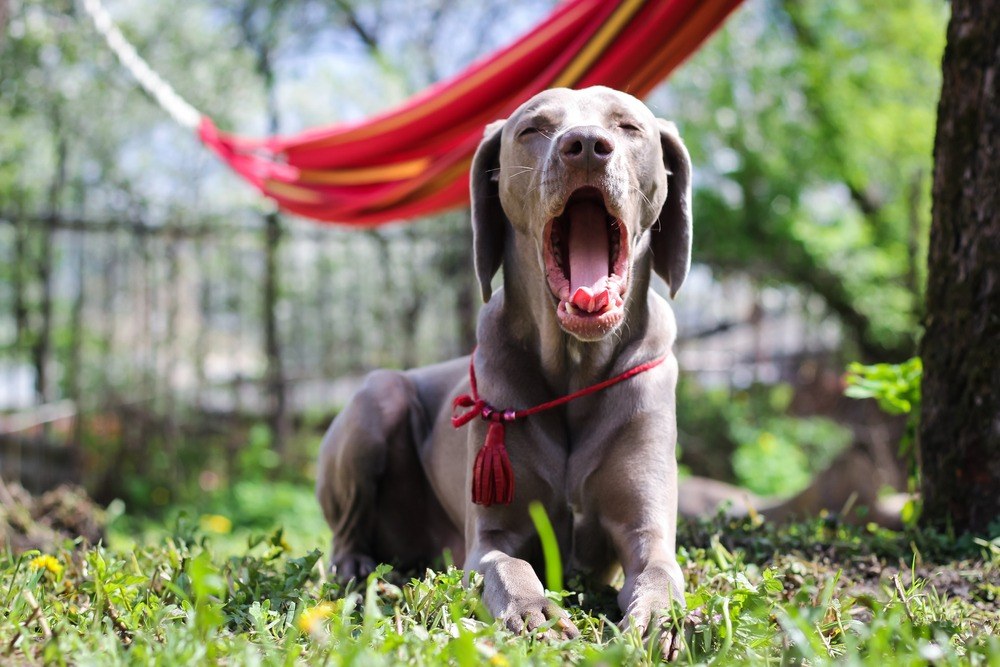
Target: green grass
[[812, 593], [231, 516]]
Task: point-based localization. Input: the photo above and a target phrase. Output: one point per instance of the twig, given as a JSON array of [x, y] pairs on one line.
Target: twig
[[823, 638], [848, 504], [322, 571], [36, 614], [903, 598], [123, 632]]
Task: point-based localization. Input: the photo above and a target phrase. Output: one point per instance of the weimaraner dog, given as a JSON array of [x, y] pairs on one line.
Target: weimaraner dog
[[579, 196]]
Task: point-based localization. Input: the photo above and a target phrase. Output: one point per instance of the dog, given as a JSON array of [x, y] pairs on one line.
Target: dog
[[580, 195]]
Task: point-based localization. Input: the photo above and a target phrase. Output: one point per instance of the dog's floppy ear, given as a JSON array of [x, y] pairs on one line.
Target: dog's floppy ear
[[488, 219], [671, 236]]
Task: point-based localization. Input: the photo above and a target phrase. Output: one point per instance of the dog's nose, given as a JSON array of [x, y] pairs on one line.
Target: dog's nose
[[586, 147]]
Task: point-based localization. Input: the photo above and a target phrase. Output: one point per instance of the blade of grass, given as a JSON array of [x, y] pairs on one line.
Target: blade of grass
[[550, 547]]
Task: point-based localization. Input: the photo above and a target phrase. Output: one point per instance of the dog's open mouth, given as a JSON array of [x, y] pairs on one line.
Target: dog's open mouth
[[586, 262]]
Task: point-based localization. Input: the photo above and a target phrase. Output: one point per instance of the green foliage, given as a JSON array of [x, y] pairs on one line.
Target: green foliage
[[896, 387], [753, 598], [257, 457], [825, 610], [769, 464], [233, 516], [550, 546], [811, 127], [772, 453]]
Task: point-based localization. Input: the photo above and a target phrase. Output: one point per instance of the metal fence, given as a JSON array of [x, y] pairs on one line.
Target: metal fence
[[144, 333]]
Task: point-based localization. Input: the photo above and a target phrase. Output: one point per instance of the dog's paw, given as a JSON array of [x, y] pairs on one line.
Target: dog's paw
[[529, 615], [350, 566], [651, 617], [661, 629]]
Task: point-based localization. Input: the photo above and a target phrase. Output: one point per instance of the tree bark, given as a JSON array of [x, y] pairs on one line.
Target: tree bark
[[74, 383], [262, 41], [275, 372], [19, 282], [960, 421], [42, 344]]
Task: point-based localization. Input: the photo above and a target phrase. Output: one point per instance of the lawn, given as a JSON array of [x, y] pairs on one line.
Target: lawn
[[237, 578]]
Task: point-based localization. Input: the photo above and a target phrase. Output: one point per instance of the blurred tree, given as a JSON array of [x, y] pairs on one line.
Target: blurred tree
[[270, 29], [811, 124], [960, 421], [259, 22], [265, 28], [33, 262]]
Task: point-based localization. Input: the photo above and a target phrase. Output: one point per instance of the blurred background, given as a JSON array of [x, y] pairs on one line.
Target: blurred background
[[162, 345]]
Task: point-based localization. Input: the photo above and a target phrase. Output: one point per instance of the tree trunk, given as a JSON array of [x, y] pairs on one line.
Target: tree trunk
[[19, 282], [277, 390], [74, 384], [41, 348], [275, 373], [960, 422]]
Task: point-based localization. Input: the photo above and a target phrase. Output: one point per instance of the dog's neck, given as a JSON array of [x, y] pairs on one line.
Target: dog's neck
[[567, 362]]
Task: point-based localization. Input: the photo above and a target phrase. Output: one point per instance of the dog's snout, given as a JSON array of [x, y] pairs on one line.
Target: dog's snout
[[586, 147]]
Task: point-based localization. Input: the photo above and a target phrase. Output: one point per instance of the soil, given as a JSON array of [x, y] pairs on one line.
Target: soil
[[864, 561], [45, 522]]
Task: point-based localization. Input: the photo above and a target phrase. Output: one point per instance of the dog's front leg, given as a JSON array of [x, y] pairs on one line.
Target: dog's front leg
[[637, 506], [513, 593], [653, 579]]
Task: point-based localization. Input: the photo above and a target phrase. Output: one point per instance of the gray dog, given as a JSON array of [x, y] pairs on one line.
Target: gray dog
[[579, 195]]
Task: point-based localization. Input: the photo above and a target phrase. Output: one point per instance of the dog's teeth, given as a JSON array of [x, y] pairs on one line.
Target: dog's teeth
[[570, 308]]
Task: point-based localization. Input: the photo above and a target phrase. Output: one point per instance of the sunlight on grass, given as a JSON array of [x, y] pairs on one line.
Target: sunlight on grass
[[190, 595], [229, 517]]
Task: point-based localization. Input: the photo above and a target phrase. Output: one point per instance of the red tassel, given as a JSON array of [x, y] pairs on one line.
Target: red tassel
[[492, 475]]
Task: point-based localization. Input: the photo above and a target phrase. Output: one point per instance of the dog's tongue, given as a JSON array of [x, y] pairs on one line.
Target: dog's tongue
[[588, 256]]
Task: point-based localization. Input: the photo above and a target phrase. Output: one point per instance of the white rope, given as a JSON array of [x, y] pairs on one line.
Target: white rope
[[182, 112]]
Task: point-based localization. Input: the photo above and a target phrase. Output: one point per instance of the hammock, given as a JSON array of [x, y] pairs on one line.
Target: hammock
[[414, 160]]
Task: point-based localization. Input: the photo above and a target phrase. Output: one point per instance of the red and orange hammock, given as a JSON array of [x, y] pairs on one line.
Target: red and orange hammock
[[414, 160]]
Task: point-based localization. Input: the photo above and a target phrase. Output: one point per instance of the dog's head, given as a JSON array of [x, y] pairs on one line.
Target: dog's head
[[595, 181]]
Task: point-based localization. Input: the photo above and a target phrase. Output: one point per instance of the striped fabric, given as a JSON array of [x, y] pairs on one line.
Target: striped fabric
[[414, 160]]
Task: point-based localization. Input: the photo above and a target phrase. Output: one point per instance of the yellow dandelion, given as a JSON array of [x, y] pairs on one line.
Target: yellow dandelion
[[311, 620], [498, 660], [50, 564], [216, 523]]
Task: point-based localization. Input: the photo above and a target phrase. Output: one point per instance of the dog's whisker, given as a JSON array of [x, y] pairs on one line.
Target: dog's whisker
[[511, 166], [644, 197]]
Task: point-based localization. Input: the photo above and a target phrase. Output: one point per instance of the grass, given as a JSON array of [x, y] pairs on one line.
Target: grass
[[245, 593]]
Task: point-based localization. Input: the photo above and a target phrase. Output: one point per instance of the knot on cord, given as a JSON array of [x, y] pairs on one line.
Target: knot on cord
[[477, 407], [492, 474]]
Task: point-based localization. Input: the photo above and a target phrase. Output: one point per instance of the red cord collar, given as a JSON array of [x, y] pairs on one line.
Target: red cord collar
[[492, 474]]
